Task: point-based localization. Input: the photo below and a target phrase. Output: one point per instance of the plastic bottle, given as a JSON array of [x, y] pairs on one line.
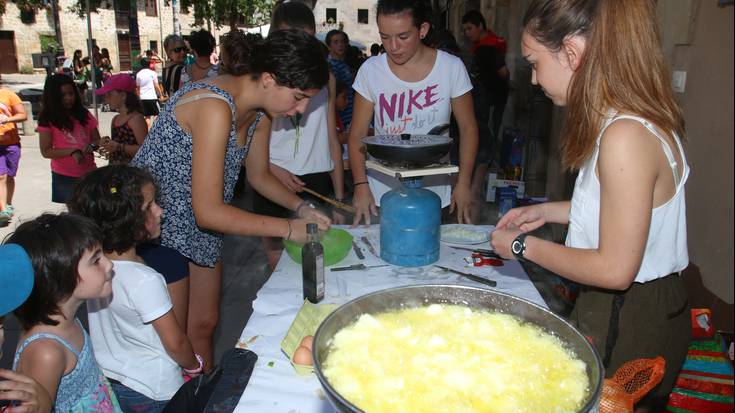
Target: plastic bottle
[[312, 265]]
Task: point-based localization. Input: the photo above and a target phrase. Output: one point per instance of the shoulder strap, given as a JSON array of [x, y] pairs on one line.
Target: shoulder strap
[[664, 144], [205, 95], [40, 336]]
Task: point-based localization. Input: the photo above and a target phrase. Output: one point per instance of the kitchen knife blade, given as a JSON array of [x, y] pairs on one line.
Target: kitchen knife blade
[[366, 241], [355, 267], [358, 251], [472, 277]]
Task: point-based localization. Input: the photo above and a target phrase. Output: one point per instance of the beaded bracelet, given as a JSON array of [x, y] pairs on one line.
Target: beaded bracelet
[[198, 369]]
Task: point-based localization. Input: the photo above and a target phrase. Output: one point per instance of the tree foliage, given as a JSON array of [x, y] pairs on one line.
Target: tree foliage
[[230, 13]]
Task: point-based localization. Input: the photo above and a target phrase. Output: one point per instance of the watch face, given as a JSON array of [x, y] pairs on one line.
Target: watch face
[[516, 247]]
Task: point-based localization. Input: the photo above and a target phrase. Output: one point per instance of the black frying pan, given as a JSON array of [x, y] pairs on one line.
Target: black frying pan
[[415, 150]]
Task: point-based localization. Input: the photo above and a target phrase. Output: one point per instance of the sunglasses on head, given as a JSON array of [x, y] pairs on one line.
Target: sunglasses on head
[[180, 49]]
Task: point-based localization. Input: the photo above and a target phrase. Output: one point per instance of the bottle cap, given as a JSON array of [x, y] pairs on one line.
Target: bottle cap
[[312, 228]]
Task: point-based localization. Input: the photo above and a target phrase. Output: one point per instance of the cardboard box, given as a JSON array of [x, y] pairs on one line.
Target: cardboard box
[[493, 183]]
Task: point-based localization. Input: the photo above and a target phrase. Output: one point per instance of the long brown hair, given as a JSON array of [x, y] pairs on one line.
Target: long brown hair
[[622, 68]]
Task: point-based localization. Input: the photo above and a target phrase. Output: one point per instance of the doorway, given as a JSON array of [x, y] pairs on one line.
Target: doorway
[[8, 56], [123, 48]]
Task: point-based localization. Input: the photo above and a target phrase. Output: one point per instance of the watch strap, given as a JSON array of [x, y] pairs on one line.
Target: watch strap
[[518, 246]]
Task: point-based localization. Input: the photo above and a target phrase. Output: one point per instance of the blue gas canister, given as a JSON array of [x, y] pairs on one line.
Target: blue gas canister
[[410, 220]]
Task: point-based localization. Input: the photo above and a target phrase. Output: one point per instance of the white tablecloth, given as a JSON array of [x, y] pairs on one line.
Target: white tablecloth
[[274, 385]]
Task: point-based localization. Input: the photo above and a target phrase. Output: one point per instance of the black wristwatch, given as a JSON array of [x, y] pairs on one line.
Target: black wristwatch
[[518, 246]]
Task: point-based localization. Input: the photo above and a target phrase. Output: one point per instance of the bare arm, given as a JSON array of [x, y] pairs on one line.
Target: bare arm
[[210, 130], [45, 362], [18, 114], [48, 151], [335, 147], [362, 111], [465, 115], [174, 340], [628, 169]]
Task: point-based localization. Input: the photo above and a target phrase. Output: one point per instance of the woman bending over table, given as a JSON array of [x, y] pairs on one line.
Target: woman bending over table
[[195, 148]]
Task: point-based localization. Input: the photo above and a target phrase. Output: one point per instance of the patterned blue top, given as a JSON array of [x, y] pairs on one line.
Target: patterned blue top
[[343, 73], [167, 154], [85, 389]]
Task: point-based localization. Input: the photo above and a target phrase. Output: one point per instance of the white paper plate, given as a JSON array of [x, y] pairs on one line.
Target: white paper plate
[[464, 234]]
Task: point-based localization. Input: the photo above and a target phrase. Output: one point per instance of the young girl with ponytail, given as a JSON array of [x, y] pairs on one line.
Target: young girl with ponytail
[[627, 240]]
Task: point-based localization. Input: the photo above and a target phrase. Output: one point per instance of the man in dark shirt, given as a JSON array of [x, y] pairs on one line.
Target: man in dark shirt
[[488, 52]]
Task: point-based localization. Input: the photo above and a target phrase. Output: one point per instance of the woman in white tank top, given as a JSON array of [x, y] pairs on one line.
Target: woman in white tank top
[[626, 242]]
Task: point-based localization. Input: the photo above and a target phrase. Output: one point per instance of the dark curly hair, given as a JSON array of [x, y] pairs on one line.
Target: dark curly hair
[[52, 109], [421, 12], [55, 244], [202, 42], [112, 197], [294, 58], [292, 15]]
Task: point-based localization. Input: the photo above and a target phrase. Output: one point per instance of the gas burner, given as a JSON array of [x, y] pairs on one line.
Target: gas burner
[[406, 170]]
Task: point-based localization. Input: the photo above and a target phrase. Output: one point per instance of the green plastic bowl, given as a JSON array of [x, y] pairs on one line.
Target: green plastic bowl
[[336, 242]]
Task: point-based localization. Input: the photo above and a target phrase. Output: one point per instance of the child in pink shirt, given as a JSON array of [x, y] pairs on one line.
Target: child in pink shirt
[[68, 134]]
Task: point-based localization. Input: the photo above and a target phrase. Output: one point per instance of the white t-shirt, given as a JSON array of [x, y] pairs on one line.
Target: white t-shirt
[[304, 149], [126, 345], [146, 80], [411, 107]]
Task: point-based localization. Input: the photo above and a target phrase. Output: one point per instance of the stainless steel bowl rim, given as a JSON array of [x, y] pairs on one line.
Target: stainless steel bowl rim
[[592, 399]]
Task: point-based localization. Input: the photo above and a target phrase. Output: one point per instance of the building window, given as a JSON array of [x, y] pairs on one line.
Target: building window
[[151, 8], [362, 16], [331, 15]]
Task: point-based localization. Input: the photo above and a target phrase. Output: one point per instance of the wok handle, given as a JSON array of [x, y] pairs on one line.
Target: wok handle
[[340, 205]]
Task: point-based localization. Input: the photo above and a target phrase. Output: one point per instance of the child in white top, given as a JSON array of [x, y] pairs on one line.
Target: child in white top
[[137, 340]]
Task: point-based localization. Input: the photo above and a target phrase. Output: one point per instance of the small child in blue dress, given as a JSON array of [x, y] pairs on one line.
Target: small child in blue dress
[[69, 267]]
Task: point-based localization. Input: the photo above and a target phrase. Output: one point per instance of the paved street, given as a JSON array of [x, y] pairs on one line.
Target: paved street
[[33, 183]]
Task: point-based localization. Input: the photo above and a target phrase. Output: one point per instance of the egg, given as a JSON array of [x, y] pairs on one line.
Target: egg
[[307, 342], [302, 356]]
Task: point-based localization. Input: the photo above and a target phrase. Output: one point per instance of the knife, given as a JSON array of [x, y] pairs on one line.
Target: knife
[[486, 253], [472, 277], [369, 245], [358, 251], [355, 267]]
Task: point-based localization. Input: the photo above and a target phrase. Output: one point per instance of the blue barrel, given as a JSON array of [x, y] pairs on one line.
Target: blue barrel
[[410, 220]]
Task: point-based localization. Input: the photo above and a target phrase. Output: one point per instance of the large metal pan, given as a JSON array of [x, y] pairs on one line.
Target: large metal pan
[[407, 149], [422, 295]]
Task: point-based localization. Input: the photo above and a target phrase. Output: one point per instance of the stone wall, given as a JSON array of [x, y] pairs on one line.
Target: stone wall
[[366, 34], [74, 29]]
